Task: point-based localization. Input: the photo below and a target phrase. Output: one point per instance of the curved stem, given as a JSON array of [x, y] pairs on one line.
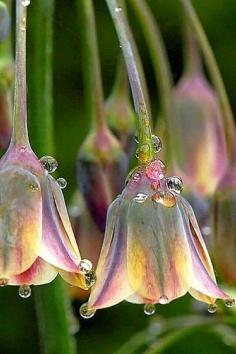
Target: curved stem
[[91, 63], [20, 132], [133, 65], [160, 62], [229, 126]]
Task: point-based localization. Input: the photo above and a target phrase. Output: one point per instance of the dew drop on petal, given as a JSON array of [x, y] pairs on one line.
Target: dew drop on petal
[[165, 198], [157, 143], [49, 163], [86, 312], [85, 266], [229, 303], [33, 187], [164, 300], [118, 9], [90, 278], [24, 291], [25, 2], [3, 282], [175, 184], [149, 309], [62, 182], [140, 198], [212, 308]]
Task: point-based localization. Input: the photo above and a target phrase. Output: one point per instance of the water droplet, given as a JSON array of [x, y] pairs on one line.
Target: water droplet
[[24, 291], [229, 303], [118, 9], [85, 266], [25, 2], [175, 184], [140, 198], [86, 312], [157, 143], [136, 177], [149, 309], [212, 308], [33, 187], [164, 300], [165, 198], [3, 282], [90, 278], [62, 182], [49, 163], [142, 153]]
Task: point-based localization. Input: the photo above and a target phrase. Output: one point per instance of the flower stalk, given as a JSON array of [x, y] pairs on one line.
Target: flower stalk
[[229, 126], [145, 146]]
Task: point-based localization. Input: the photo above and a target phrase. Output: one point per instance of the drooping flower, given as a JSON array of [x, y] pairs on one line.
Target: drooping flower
[[153, 251], [36, 238]]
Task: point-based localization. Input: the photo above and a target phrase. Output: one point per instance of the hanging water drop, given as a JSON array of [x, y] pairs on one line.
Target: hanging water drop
[[157, 143], [24, 291], [165, 198], [118, 9], [85, 266], [25, 3], [229, 303], [3, 282], [49, 163], [164, 300], [140, 198], [175, 184], [62, 182], [90, 278], [86, 312], [212, 308], [149, 309]]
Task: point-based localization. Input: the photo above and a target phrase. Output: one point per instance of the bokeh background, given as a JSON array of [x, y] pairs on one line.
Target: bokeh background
[[111, 328]]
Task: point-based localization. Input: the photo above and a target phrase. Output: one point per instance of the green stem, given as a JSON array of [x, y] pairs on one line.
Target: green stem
[[229, 126], [133, 65], [20, 133], [51, 300], [121, 87], [160, 62], [192, 56], [91, 65]]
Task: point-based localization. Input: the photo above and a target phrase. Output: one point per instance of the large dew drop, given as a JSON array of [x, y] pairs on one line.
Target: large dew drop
[[175, 184], [229, 303], [85, 266], [140, 198], [24, 291], [49, 163], [165, 198], [149, 309], [62, 182], [157, 143], [212, 308], [90, 278], [86, 312]]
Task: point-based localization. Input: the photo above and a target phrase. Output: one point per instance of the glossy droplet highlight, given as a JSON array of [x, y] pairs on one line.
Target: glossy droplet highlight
[[90, 278], [118, 9], [165, 198], [149, 309], [86, 312], [164, 300], [3, 282], [212, 308], [62, 182], [24, 291], [175, 184], [85, 266], [157, 143], [49, 163], [230, 303], [140, 198], [25, 2]]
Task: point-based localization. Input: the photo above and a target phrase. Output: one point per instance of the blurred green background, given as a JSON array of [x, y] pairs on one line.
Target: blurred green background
[[111, 328]]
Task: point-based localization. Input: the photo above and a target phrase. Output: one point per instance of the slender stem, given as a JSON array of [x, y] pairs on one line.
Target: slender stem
[[133, 65], [120, 86], [160, 62], [20, 132], [229, 126], [192, 56], [51, 301], [41, 79], [91, 63]]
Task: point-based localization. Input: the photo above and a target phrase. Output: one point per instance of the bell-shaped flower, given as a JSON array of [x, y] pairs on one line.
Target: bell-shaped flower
[[36, 237], [153, 251], [198, 135]]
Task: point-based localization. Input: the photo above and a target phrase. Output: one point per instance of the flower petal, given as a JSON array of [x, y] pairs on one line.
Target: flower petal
[[112, 284], [20, 220], [39, 273], [159, 262]]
